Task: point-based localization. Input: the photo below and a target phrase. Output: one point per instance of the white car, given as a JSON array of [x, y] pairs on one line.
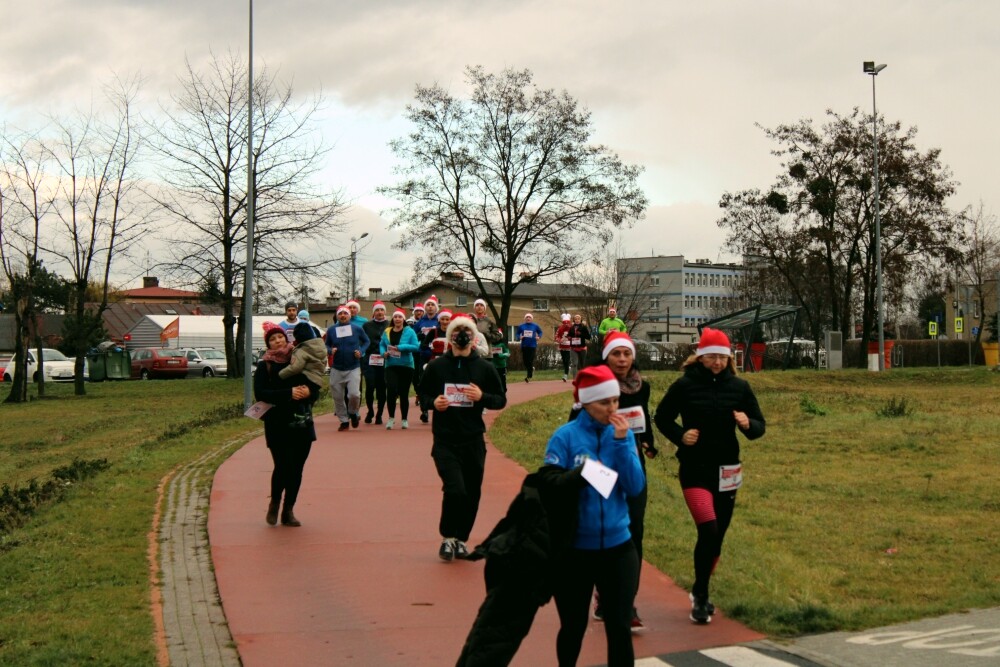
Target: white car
[[57, 366]]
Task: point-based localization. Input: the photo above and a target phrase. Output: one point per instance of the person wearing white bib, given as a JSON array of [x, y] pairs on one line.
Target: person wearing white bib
[[713, 404]]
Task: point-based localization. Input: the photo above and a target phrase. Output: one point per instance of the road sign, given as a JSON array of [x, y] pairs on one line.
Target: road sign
[[932, 329], [975, 331], [958, 325]]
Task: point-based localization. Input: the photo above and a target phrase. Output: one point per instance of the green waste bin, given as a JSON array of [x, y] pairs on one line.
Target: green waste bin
[[118, 364], [96, 367]]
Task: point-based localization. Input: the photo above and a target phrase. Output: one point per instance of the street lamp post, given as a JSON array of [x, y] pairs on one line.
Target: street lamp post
[[354, 265], [248, 271], [871, 69]]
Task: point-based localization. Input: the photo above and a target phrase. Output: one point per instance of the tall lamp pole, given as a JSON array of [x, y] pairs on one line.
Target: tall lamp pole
[[872, 70], [354, 265], [248, 271]]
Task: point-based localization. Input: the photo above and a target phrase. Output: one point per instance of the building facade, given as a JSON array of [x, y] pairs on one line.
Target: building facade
[[667, 297]]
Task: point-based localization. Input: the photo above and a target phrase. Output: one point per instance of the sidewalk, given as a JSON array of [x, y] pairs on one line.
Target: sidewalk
[[360, 582]]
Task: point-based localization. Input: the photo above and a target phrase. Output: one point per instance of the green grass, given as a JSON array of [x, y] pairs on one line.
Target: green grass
[[847, 519], [76, 587], [826, 496]]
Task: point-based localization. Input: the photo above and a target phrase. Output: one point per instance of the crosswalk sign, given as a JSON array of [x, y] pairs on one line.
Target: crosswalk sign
[[932, 329], [958, 325]]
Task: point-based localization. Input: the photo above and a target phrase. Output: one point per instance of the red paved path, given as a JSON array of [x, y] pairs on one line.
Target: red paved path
[[361, 584]]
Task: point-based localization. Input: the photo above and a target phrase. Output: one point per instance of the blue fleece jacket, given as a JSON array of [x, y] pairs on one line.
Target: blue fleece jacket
[[602, 523], [408, 347], [353, 338]]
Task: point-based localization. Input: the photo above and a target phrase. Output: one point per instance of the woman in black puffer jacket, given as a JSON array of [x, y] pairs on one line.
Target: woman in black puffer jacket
[[712, 403]]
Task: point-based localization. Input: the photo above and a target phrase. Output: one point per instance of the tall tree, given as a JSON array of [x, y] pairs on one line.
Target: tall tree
[[505, 186], [980, 250], [24, 203], [204, 143], [99, 208], [825, 198]]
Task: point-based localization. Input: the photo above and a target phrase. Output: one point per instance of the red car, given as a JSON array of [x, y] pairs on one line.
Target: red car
[[155, 362]]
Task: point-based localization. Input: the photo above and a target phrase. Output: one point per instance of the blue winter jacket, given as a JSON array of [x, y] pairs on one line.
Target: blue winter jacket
[[408, 346], [602, 523], [343, 358], [529, 333]]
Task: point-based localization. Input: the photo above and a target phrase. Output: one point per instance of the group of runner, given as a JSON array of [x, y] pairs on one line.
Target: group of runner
[[457, 363]]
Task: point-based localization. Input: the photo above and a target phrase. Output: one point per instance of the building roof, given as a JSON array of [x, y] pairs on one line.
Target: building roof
[[522, 291], [159, 293], [121, 316]]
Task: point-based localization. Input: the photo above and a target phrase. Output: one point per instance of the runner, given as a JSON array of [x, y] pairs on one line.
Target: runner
[[291, 319], [373, 364], [398, 345], [579, 337], [347, 343], [529, 333], [565, 347], [424, 326]]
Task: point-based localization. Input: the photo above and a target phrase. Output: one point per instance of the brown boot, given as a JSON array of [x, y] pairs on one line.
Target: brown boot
[[272, 513], [288, 519]]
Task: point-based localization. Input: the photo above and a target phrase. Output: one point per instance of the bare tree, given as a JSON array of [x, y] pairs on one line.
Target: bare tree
[[24, 202], [981, 254], [100, 209], [612, 280], [204, 145], [505, 184]]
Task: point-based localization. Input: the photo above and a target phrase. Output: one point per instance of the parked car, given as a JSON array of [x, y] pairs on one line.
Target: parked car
[[156, 362], [56, 366], [205, 361]]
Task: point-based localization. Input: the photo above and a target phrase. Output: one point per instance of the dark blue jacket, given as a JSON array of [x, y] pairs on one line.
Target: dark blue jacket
[[346, 344]]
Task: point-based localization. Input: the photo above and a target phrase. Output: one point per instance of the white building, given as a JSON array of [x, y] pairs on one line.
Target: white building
[[673, 296], [193, 331]]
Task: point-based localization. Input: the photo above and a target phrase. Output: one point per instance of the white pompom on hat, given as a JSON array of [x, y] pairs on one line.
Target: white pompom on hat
[[565, 317], [713, 341], [616, 339], [432, 298], [595, 383]]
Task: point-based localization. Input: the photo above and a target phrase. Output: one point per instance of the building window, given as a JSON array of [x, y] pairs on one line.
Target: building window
[[461, 300], [654, 303], [654, 281], [540, 304]]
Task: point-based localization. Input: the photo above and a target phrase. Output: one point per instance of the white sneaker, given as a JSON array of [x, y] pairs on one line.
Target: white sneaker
[[389, 424], [405, 425]]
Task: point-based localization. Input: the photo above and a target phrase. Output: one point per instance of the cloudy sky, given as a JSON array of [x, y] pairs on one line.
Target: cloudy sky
[[674, 86]]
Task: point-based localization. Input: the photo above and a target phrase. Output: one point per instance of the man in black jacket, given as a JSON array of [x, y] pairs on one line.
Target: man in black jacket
[[459, 386]]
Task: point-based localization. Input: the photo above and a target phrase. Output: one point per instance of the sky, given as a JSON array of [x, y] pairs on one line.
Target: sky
[[677, 87]]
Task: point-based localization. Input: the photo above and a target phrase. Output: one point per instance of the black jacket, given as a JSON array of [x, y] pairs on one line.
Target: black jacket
[[270, 388], [523, 556], [460, 424], [706, 402]]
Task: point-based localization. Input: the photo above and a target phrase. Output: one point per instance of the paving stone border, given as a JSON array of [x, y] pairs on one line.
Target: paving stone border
[[193, 621]]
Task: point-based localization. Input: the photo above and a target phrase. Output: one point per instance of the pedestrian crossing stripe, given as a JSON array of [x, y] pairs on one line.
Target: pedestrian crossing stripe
[[730, 656]]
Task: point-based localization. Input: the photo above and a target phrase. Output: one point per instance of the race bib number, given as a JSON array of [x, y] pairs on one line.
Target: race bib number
[[636, 418], [393, 353], [376, 360], [343, 331], [527, 334], [496, 350], [456, 397], [575, 342], [730, 477]]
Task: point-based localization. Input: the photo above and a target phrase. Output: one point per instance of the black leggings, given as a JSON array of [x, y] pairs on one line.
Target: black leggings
[[565, 354], [397, 386], [289, 460], [460, 465], [375, 388], [712, 512], [528, 354], [613, 572]]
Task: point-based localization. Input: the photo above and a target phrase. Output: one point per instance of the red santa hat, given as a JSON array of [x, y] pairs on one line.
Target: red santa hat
[[444, 313], [595, 383], [270, 328], [616, 339], [400, 312], [343, 309], [713, 341], [460, 321], [378, 305], [419, 307], [354, 303], [432, 298]]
